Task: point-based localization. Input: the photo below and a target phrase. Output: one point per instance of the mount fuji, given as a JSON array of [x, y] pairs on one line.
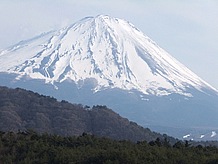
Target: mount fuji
[[104, 60]]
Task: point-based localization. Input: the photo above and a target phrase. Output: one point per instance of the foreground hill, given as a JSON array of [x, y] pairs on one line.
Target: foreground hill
[[22, 110]]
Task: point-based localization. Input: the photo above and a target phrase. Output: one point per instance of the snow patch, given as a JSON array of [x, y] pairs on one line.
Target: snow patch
[[186, 136], [213, 134]]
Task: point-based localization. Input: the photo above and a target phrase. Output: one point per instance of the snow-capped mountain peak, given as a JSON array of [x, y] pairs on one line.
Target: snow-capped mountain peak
[[110, 50]]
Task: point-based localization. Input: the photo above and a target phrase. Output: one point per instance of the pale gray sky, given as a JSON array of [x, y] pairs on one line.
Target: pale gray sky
[[187, 29]]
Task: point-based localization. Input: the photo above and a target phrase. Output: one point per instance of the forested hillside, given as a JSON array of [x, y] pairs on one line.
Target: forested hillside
[[39, 129], [21, 110]]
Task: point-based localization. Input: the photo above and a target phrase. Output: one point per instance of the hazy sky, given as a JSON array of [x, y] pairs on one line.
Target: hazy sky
[[187, 29]]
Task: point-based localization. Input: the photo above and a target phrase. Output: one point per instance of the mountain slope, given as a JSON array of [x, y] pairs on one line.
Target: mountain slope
[[110, 50], [22, 110], [108, 61]]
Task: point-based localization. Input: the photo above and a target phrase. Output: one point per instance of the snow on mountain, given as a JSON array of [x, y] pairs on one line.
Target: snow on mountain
[[108, 61], [200, 137], [186, 136], [110, 50]]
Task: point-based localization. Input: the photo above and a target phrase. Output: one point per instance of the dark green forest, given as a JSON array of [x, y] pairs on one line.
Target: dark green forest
[[30, 147]]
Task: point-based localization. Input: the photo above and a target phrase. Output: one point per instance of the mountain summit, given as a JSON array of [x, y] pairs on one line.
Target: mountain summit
[[112, 51]]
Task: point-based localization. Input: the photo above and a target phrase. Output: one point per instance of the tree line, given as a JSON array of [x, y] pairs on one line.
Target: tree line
[[31, 147]]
